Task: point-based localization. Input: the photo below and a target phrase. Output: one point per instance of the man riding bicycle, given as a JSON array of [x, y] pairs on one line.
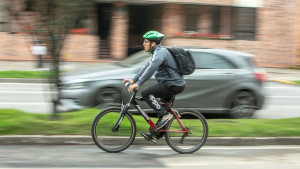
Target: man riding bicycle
[[163, 66]]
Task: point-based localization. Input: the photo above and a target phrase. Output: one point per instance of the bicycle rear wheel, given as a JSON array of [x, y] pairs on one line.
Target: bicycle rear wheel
[[196, 123], [104, 136]]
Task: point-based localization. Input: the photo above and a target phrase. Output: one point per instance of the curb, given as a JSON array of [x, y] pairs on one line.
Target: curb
[[284, 81], [87, 140]]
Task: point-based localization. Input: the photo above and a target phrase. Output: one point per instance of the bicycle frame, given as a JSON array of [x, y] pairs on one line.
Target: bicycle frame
[[133, 101]]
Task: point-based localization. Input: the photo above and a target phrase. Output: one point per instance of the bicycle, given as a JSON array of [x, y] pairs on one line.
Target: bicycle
[[114, 128]]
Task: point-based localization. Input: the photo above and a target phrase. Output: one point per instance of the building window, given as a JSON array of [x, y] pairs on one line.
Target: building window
[[219, 22], [29, 5], [191, 18], [244, 23], [216, 20]]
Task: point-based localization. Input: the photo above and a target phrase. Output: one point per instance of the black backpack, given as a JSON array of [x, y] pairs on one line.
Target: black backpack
[[184, 60]]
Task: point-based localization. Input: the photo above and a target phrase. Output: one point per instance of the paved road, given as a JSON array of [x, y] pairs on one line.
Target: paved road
[[31, 97], [155, 157], [282, 100]]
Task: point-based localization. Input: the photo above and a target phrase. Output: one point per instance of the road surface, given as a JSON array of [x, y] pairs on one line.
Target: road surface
[[155, 157], [282, 101]]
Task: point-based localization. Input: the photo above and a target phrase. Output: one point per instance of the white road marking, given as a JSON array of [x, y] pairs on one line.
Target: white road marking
[[231, 148], [186, 164], [284, 96], [27, 92], [24, 103], [278, 87]]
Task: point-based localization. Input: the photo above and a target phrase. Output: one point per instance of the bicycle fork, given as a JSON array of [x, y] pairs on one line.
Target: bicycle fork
[[122, 114]]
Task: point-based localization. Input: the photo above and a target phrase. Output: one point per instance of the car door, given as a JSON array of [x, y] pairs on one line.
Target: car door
[[206, 87]]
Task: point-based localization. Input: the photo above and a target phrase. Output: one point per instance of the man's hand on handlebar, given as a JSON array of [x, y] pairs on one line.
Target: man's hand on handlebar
[[132, 87], [128, 80], [132, 84]]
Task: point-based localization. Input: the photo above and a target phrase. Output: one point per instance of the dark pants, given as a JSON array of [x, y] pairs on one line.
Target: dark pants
[[162, 91]]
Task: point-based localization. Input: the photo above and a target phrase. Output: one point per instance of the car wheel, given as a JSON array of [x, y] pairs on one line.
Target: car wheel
[[107, 97], [242, 105]]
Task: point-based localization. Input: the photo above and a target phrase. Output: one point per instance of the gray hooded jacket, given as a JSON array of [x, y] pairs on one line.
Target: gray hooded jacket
[[161, 66]]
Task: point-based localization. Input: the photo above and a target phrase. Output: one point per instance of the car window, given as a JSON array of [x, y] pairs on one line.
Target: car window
[[134, 59], [211, 61]]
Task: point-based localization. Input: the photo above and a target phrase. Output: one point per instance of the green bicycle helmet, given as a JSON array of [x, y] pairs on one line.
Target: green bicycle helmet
[[154, 36]]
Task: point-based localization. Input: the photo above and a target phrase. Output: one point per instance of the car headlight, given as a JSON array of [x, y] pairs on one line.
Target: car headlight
[[78, 85], [75, 84], [72, 86]]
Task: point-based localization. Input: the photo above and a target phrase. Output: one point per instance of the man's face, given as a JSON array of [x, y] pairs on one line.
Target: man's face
[[146, 45]]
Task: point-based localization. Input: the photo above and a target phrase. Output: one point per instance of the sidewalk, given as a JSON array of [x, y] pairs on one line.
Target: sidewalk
[[87, 140], [283, 75]]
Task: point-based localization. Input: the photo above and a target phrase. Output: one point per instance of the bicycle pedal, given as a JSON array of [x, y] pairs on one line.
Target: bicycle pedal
[[148, 137]]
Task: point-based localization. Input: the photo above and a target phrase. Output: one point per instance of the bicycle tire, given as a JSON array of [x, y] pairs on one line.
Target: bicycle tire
[[108, 140], [196, 123]]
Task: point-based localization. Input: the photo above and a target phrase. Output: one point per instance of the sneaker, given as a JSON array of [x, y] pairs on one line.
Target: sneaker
[[159, 120], [148, 137], [163, 121]]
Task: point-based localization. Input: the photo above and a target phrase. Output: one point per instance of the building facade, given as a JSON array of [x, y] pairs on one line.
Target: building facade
[[269, 29]]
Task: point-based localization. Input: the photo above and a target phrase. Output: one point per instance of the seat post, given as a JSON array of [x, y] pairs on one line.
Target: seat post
[[170, 103]]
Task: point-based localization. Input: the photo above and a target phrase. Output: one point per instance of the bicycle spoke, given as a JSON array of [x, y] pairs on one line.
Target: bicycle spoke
[[109, 139], [187, 142]]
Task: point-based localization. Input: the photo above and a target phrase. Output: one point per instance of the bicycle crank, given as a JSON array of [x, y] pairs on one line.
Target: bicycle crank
[[184, 135]]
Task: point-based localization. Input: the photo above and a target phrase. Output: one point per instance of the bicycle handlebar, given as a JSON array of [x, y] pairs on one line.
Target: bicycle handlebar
[[127, 84]]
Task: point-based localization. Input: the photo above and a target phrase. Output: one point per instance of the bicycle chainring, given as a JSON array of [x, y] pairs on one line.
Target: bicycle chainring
[[156, 133]]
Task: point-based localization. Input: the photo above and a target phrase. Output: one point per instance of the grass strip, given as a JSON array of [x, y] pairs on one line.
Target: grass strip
[[25, 74], [15, 122]]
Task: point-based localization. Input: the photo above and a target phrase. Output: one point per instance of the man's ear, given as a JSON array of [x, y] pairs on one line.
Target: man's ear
[[153, 44]]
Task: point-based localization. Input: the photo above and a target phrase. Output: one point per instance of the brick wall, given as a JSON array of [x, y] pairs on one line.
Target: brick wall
[[276, 41], [297, 58], [15, 46], [81, 48], [207, 2], [119, 32], [77, 47], [172, 18]]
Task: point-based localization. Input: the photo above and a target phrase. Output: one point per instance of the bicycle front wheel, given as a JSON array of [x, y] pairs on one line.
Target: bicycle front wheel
[[190, 142], [107, 139]]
